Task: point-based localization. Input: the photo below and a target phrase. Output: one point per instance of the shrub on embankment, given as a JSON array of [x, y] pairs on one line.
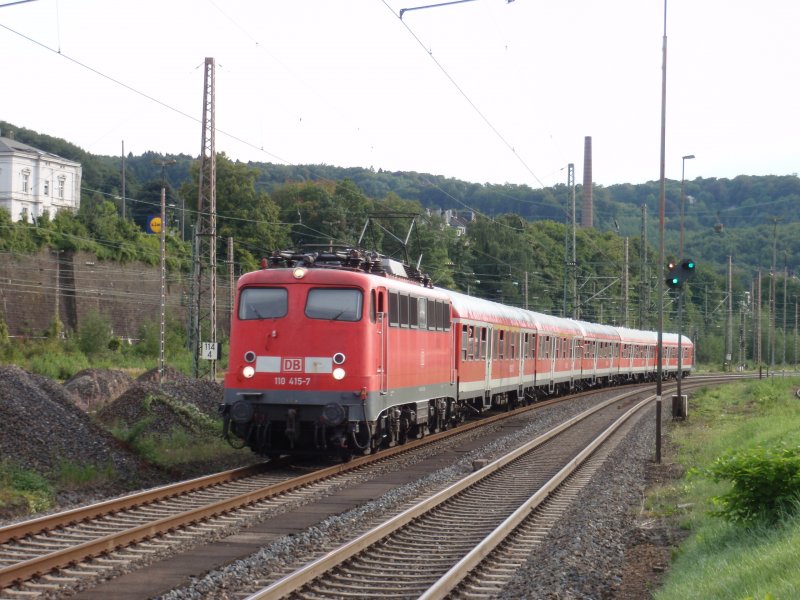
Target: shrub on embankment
[[739, 498]]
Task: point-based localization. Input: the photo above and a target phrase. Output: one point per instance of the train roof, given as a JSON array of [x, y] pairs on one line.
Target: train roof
[[470, 307], [597, 330], [638, 336]]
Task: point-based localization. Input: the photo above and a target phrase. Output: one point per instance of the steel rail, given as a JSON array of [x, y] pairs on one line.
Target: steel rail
[[306, 574], [471, 560]]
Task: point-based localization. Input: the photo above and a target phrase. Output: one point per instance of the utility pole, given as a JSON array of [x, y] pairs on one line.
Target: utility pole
[[204, 326], [231, 281], [729, 321], [644, 286], [123, 180], [757, 319], [795, 333], [625, 275], [163, 269], [743, 307], [772, 290], [570, 264], [785, 302]]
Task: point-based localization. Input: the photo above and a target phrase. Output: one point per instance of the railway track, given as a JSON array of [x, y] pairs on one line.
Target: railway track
[[468, 540], [41, 555]]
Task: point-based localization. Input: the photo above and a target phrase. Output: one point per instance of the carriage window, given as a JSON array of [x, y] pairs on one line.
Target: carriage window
[[334, 304], [422, 313], [464, 341], [394, 309], [372, 313], [263, 303], [473, 345], [403, 310], [445, 315], [432, 314], [413, 312]]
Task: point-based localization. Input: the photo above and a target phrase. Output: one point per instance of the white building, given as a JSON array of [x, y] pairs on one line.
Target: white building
[[34, 182]]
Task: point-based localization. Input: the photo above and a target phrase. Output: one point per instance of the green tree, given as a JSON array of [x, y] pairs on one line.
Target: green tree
[[247, 215], [94, 333]]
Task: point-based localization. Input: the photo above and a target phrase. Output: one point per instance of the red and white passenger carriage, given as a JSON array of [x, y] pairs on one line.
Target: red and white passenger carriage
[[345, 352]]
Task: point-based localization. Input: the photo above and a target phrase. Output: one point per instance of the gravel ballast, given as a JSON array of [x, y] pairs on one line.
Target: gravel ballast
[[588, 554]]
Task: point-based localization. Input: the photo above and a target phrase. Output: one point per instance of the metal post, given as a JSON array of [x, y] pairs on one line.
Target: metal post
[[729, 320], [679, 412], [163, 282], [123, 180], [785, 302], [163, 236], [683, 198], [795, 333], [662, 253]]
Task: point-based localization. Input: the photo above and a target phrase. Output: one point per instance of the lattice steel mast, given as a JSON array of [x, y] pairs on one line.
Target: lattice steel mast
[[204, 317]]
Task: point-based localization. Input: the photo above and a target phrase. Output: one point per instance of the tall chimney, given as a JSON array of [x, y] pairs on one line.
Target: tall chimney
[[587, 217]]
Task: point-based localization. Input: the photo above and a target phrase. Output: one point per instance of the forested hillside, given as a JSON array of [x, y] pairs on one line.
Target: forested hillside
[[513, 251]]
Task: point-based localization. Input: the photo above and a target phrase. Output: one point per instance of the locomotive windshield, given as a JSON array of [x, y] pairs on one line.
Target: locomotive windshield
[[334, 304], [263, 303]]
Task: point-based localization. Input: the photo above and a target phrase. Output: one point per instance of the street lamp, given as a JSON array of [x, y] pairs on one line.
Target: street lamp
[[683, 198]]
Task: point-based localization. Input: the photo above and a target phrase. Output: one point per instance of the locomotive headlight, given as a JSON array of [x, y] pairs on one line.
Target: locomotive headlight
[[299, 273], [248, 372], [338, 373]]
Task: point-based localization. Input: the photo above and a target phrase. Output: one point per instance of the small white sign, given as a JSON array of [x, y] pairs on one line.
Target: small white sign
[[209, 351]]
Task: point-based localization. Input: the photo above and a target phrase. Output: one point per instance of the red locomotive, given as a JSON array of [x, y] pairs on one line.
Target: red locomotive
[[344, 352]]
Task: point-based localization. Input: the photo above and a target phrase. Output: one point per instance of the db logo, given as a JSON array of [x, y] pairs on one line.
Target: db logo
[[292, 365]]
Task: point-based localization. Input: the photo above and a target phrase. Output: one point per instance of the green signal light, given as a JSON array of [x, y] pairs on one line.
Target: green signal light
[[690, 264]]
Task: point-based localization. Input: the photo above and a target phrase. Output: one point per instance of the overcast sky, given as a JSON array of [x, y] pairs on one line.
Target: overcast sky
[[485, 91]]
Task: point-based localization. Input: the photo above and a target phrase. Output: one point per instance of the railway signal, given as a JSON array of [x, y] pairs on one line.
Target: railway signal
[[679, 273]]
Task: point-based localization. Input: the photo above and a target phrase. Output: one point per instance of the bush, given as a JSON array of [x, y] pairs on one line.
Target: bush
[[95, 334], [58, 365], [766, 484]]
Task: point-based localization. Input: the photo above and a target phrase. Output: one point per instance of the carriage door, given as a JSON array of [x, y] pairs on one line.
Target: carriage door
[[573, 355], [383, 339], [486, 354]]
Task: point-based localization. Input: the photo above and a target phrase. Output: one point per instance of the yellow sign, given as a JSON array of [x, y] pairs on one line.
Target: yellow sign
[[155, 224]]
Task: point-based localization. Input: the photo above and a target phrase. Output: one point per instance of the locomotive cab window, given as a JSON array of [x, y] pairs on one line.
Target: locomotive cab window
[[263, 303], [334, 304]]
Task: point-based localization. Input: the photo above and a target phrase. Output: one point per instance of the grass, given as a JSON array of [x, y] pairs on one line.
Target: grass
[[198, 438], [723, 560], [23, 491]]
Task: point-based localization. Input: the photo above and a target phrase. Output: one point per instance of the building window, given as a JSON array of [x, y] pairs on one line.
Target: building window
[[61, 186], [26, 179], [46, 188]]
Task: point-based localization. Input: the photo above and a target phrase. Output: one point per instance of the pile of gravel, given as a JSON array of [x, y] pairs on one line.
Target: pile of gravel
[[41, 427], [179, 403], [94, 388]]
